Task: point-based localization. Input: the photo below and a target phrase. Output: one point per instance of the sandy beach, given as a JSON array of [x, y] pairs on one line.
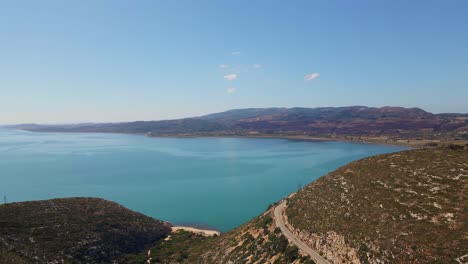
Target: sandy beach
[[196, 230]]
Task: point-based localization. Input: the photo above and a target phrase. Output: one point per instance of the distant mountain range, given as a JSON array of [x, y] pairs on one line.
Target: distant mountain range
[[323, 121]]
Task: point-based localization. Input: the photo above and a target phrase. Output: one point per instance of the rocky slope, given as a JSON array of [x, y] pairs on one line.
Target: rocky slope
[[74, 230], [407, 207]]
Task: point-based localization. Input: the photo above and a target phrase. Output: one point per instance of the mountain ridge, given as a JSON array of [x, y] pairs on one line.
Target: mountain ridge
[[351, 121]]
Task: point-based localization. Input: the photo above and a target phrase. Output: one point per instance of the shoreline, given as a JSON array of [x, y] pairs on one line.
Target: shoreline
[[382, 140], [410, 143], [203, 232], [294, 138]]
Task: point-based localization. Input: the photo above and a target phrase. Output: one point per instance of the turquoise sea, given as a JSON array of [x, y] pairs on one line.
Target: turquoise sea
[[208, 182]]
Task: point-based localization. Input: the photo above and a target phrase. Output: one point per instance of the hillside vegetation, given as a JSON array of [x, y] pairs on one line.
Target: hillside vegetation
[[90, 230], [74, 230], [407, 207], [258, 241]]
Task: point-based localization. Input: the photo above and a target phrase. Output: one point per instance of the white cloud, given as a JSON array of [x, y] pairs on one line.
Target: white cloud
[[311, 76], [231, 90], [230, 77], [257, 66], [223, 66], [235, 53]]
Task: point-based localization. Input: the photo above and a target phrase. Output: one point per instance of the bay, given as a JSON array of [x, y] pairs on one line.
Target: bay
[[207, 182]]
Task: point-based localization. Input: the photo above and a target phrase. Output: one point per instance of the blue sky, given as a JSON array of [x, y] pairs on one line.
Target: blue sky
[[100, 61]]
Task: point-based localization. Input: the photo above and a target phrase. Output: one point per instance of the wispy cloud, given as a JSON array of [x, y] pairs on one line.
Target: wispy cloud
[[257, 66], [235, 53], [230, 77], [231, 90], [223, 66], [311, 76]]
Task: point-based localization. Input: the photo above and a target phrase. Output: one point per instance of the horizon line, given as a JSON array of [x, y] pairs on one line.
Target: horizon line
[[231, 109]]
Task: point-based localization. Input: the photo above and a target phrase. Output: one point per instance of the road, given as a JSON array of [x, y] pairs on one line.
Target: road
[[279, 220]]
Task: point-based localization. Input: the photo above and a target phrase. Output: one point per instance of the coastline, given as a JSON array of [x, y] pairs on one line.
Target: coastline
[[288, 137], [297, 138], [379, 140], [383, 140], [203, 232]]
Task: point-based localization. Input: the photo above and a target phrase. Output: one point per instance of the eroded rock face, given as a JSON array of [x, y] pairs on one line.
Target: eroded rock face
[[333, 247], [330, 245], [74, 230]]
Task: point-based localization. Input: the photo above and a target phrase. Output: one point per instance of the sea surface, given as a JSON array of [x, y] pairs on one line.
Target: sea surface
[[206, 182]]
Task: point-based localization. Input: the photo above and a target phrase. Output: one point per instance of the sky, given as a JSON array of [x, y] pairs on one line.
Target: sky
[[110, 61]]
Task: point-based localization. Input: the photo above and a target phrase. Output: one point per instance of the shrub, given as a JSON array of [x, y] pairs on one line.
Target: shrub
[[265, 221], [455, 147], [291, 253]]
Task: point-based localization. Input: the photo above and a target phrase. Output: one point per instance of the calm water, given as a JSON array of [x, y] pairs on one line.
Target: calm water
[[216, 182]]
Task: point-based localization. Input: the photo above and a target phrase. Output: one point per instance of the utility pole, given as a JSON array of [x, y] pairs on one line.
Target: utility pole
[[4, 199]]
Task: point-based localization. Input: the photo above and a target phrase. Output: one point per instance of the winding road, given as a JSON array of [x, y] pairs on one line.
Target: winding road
[[279, 220]]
